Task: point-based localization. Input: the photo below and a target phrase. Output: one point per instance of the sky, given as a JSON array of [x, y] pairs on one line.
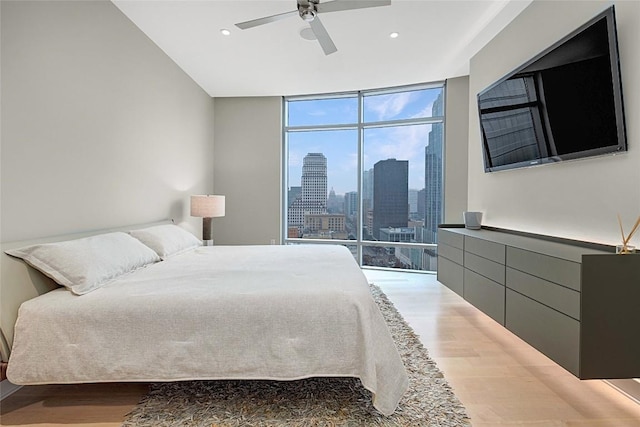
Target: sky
[[381, 143]]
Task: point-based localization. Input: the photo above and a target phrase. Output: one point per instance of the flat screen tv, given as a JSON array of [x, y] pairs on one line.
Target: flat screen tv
[[563, 104]]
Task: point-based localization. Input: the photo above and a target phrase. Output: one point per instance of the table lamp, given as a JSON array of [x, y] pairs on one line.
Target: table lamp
[[207, 207]]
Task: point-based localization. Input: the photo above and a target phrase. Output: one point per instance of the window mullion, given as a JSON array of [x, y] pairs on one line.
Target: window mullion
[[360, 213], [403, 122], [347, 126]]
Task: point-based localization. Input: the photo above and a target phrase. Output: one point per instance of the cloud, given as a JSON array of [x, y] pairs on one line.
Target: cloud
[[425, 112], [399, 142], [386, 107]]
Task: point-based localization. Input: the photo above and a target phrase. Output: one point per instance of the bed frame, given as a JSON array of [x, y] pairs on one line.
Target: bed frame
[[19, 282]]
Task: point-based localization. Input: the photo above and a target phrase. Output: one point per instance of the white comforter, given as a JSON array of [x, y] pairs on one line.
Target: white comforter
[[221, 312]]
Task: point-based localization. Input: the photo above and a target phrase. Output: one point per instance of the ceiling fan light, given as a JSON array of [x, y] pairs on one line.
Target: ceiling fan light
[[307, 15]]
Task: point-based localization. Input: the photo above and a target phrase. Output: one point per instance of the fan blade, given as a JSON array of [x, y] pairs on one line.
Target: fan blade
[[323, 36], [338, 5], [265, 20]]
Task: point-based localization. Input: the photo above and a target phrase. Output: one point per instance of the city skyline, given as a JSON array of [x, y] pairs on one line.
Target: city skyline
[[340, 146]]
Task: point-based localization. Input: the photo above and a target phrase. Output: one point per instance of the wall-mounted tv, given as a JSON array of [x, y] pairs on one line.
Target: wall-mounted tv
[[563, 104]]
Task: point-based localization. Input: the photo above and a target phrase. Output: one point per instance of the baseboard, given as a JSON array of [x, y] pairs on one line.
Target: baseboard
[[7, 389], [629, 387]]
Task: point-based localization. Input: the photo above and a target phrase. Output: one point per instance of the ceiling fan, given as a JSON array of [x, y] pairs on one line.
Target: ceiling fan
[[308, 10]]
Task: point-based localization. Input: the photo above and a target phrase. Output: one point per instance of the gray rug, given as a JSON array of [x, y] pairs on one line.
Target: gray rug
[[311, 402]]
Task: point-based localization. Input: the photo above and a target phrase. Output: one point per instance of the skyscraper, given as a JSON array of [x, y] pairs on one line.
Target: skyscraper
[[293, 194], [335, 203], [367, 190], [413, 201], [351, 203], [294, 209], [433, 175], [314, 183], [421, 201], [367, 202], [390, 194]]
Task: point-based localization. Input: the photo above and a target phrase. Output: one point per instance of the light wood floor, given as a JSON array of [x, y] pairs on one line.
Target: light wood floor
[[501, 380]]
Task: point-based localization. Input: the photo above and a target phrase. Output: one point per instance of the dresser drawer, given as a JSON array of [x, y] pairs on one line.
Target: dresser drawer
[[451, 275], [563, 272], [452, 239], [551, 332], [484, 248], [487, 268], [451, 253], [485, 294], [563, 299]]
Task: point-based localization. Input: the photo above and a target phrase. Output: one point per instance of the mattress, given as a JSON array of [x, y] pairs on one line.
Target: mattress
[[220, 312]]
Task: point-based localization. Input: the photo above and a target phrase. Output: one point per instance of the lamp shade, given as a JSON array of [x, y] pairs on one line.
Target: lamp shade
[[207, 206]]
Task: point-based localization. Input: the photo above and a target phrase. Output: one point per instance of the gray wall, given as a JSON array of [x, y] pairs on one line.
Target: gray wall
[[456, 149], [99, 127], [578, 199], [247, 170], [248, 163]]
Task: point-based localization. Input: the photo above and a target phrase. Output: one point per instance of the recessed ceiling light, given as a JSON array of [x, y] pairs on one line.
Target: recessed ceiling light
[[394, 35], [225, 32]]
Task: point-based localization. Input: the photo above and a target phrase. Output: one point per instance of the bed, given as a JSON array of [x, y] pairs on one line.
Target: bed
[[206, 313]]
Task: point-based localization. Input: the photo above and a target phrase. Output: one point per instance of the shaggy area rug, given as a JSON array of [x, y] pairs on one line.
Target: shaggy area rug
[[429, 401]]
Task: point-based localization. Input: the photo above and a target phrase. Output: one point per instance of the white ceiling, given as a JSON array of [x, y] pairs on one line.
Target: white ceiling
[[436, 40]]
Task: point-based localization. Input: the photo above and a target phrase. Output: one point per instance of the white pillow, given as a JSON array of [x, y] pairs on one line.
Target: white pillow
[[167, 240], [86, 264]]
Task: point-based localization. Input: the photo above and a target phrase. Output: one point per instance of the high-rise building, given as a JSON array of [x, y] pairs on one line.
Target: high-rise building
[[421, 198], [293, 194], [295, 214], [314, 184], [367, 190], [433, 175], [390, 195], [413, 201], [335, 203], [351, 203], [311, 196]]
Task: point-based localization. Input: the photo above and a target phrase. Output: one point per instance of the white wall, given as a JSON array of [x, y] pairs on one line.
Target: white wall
[[578, 199], [247, 170], [99, 127]]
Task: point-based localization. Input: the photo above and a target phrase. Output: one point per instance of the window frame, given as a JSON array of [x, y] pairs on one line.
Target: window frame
[[360, 127]]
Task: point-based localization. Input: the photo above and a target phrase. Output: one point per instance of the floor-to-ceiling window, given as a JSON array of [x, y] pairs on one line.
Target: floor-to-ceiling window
[[364, 169]]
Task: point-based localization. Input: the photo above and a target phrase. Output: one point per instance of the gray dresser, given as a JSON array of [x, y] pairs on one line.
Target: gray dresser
[[579, 306]]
